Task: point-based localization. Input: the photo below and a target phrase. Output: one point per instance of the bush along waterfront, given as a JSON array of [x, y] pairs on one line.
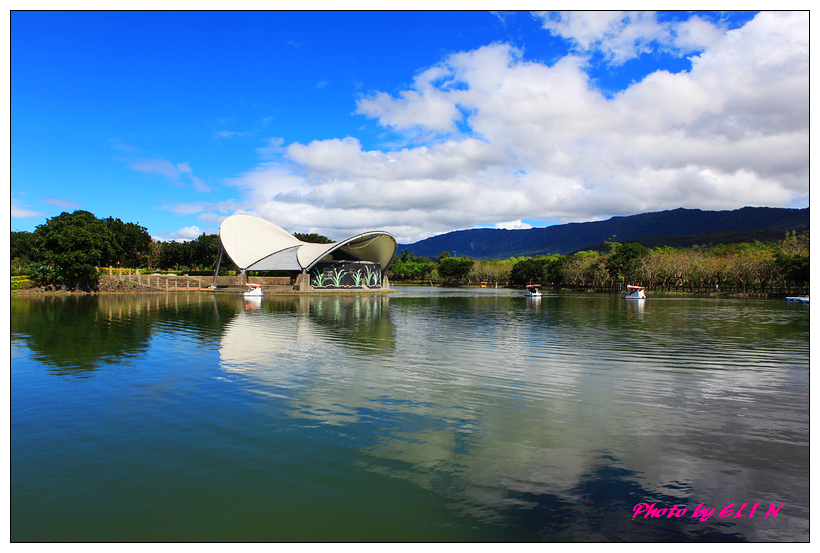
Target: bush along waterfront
[[748, 268]]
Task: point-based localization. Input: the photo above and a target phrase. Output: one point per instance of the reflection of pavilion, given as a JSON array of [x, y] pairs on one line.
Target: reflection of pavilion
[[259, 339]]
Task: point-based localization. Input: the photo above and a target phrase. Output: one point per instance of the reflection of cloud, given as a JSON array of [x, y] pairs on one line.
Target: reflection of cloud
[[258, 343], [512, 411]]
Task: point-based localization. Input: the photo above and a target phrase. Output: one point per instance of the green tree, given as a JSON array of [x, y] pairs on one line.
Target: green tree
[[71, 245], [576, 269], [625, 261], [132, 244], [794, 269], [455, 268], [174, 255], [792, 260], [312, 238], [203, 251], [406, 256], [408, 266], [554, 269], [528, 271], [22, 247]]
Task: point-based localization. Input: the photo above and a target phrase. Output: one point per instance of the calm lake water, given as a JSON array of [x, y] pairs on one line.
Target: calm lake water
[[429, 415]]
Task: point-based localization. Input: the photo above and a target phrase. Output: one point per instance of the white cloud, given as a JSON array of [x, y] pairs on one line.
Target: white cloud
[[161, 167], [513, 225], [495, 138], [272, 149], [185, 169], [174, 173], [182, 208], [22, 211], [60, 202], [182, 235], [621, 36], [118, 144], [226, 135]]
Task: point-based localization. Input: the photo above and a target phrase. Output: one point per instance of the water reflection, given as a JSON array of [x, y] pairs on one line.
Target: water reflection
[[517, 409], [264, 337], [77, 335], [635, 307], [539, 421], [253, 304]]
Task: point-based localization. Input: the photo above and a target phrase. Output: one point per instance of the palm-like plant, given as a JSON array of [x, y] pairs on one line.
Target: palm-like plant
[[337, 277], [373, 278]]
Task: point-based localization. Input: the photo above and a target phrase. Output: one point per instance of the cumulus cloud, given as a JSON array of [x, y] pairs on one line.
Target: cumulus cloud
[[182, 235], [494, 137], [513, 225], [621, 36]]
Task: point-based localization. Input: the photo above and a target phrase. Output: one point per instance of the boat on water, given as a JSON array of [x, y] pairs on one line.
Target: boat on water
[[635, 293], [253, 291], [800, 299], [534, 290]]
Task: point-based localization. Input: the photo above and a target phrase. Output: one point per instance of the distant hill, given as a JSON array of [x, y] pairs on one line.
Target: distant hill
[[564, 239], [704, 239]]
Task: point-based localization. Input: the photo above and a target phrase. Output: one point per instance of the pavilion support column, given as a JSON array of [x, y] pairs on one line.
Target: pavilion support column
[[218, 263], [302, 283]]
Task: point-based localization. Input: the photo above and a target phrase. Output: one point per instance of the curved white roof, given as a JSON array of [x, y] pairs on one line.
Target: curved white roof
[[258, 245]]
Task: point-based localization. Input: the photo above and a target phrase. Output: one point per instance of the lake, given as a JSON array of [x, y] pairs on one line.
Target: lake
[[432, 415]]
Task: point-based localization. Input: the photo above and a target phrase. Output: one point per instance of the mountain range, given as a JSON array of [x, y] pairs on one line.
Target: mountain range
[[487, 244]]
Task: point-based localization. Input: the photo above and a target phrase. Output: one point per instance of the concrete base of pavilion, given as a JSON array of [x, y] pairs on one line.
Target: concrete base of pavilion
[[302, 286]]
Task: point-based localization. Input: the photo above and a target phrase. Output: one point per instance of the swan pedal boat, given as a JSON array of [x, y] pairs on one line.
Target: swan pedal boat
[[534, 290], [635, 293], [253, 291]]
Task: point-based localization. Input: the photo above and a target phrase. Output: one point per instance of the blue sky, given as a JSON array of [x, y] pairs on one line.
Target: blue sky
[[416, 123]]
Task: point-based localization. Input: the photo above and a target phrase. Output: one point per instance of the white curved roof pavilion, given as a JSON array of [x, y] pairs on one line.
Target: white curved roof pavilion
[[255, 244]]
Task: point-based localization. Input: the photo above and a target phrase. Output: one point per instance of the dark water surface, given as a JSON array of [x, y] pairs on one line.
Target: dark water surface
[[430, 415]]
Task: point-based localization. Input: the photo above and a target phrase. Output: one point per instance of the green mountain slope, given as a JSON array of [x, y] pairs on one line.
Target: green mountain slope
[[568, 238]]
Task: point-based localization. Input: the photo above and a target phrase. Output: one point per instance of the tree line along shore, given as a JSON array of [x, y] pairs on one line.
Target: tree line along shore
[[780, 267], [67, 252]]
